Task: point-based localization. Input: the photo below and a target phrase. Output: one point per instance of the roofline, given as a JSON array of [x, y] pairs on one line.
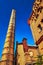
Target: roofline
[[34, 47]]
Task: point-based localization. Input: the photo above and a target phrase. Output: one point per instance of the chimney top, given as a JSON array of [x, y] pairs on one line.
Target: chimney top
[[24, 39]]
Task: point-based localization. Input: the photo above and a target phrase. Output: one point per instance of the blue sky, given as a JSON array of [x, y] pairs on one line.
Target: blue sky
[[23, 11]]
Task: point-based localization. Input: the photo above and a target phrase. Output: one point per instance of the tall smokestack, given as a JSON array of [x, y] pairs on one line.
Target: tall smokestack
[[8, 50]]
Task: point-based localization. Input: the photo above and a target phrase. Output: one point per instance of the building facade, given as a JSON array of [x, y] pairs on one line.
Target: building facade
[[36, 24], [26, 54], [8, 50], [30, 55]]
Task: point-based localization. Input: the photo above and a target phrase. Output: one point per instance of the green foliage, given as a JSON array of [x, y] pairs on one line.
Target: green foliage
[[39, 61]]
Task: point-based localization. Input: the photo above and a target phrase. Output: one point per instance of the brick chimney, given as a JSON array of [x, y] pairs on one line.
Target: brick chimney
[[25, 46]]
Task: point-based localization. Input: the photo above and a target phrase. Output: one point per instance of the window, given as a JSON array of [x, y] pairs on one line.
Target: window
[[42, 20], [39, 9], [39, 26], [37, 15]]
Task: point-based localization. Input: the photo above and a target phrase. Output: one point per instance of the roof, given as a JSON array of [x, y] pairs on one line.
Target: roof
[[19, 43], [32, 47]]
